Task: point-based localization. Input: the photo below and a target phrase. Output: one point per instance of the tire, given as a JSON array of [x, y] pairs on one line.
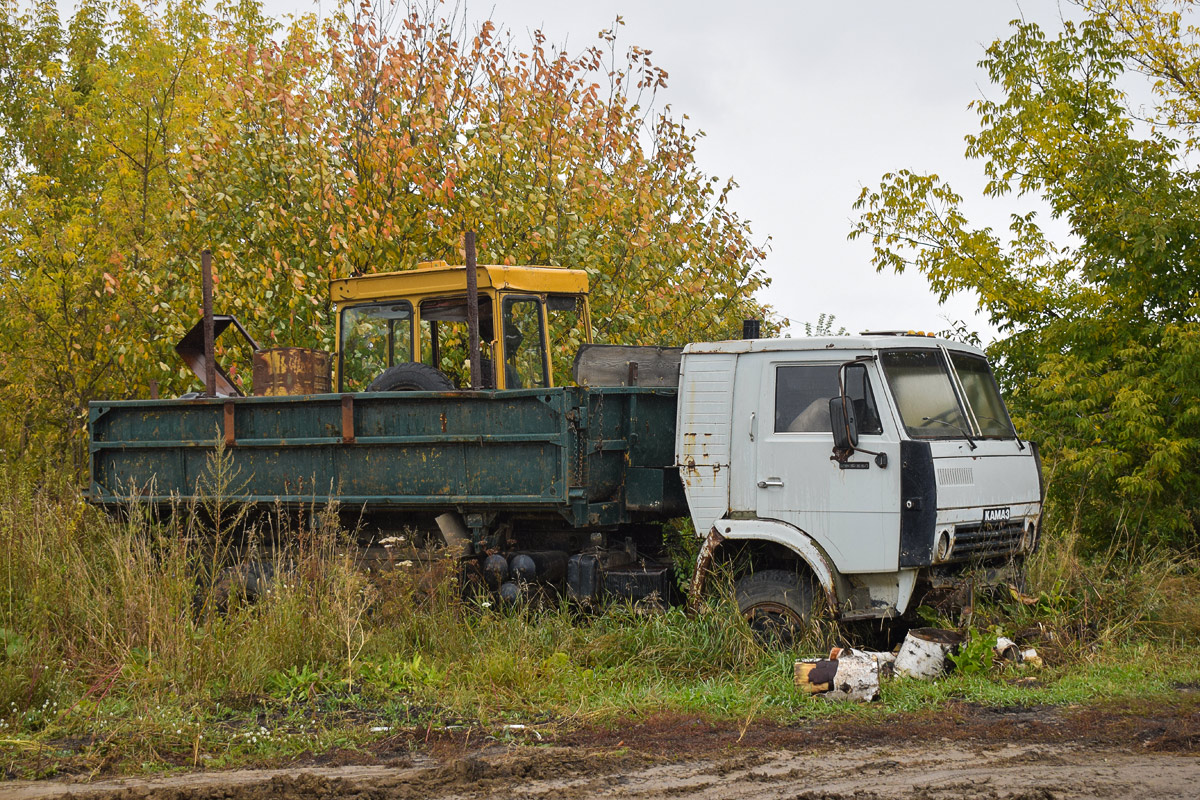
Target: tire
[[777, 604], [411, 377]]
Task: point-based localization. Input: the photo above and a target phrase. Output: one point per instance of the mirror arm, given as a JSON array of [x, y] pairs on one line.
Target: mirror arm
[[841, 455]]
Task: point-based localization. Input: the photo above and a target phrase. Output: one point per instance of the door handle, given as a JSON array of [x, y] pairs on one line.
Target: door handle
[[770, 482]]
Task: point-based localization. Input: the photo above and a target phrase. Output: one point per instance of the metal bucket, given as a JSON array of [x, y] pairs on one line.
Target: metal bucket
[[291, 371]]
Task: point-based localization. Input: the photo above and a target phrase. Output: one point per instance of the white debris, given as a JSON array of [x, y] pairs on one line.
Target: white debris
[[1006, 650], [520, 727], [849, 675], [923, 654]]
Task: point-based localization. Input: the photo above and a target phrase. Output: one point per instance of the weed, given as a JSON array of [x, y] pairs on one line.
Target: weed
[[974, 655], [295, 683]]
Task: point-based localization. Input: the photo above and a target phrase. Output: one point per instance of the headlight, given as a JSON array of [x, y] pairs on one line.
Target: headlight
[[941, 550]]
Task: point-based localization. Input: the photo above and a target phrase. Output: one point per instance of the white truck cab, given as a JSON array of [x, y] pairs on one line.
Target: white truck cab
[[870, 469]]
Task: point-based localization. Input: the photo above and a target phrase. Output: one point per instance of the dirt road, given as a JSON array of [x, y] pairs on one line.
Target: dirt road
[[977, 753]]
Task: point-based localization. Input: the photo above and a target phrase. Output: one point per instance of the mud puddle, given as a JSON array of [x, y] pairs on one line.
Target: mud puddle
[[1029, 772], [1026, 754]]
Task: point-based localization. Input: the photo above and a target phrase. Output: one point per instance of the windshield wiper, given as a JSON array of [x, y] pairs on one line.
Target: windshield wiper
[[1020, 444], [965, 435]]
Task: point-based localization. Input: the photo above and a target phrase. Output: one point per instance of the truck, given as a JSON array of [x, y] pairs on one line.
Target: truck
[[848, 476]]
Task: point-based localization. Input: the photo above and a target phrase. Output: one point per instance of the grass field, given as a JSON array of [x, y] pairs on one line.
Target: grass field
[[125, 645]]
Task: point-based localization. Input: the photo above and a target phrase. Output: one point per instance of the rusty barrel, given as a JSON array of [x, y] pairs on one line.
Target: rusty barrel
[[291, 371]]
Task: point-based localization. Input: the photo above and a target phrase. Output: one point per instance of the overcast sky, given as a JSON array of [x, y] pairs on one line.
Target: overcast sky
[[803, 104]]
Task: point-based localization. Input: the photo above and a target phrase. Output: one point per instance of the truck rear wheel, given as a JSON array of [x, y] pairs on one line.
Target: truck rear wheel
[[777, 604], [411, 377]]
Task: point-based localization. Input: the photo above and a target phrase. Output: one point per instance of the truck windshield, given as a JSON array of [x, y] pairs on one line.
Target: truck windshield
[[983, 395], [924, 394], [929, 406]]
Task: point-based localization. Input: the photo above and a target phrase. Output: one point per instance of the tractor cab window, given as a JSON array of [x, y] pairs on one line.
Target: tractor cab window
[[374, 337], [444, 338], [524, 354], [566, 315]]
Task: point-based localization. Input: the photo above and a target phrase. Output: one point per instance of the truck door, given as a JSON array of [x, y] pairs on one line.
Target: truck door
[[851, 508]]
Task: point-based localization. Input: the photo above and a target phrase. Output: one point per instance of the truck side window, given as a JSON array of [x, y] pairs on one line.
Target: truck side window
[[858, 389], [802, 395]]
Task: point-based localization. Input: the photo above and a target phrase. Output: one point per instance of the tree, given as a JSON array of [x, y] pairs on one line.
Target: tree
[[376, 141], [1101, 332], [92, 120], [145, 132], [824, 326]]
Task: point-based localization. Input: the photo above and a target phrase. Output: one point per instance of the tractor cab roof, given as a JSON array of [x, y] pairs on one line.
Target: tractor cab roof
[[435, 278]]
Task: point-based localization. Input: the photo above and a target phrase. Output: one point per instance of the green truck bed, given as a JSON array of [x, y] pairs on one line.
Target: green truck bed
[[594, 457]]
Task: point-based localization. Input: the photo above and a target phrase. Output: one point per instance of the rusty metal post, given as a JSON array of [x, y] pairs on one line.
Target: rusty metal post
[[210, 362], [473, 312]]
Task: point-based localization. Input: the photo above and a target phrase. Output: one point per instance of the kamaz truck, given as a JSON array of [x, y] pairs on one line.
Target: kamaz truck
[[849, 475]]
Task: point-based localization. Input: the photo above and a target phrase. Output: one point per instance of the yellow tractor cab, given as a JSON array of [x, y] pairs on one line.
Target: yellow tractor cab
[[407, 330]]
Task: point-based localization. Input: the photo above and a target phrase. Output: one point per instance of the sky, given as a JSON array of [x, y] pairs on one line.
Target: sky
[[803, 104]]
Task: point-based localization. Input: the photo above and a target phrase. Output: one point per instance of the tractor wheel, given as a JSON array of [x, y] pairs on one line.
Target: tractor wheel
[[411, 377], [777, 604]]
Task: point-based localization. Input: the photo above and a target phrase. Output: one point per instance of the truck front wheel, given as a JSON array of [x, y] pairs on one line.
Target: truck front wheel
[[777, 604]]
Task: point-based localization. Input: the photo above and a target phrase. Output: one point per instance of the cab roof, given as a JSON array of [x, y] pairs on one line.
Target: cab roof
[[432, 278], [863, 342]]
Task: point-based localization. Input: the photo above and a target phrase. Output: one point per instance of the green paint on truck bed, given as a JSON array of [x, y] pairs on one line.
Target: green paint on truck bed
[[571, 451]]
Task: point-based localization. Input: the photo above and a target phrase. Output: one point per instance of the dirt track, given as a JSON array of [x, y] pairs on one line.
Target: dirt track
[[975, 753]]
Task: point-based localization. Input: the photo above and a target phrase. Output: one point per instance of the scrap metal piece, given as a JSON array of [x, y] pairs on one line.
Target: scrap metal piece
[[703, 562], [210, 373], [473, 315], [287, 371], [191, 350]]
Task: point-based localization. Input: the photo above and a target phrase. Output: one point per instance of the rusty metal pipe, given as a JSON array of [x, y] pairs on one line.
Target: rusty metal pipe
[[210, 362], [473, 312]]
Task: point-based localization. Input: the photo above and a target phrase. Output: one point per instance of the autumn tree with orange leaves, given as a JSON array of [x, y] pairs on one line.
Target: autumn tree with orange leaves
[[366, 141]]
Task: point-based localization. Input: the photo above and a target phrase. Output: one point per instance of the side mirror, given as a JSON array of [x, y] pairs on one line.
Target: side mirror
[[844, 423]]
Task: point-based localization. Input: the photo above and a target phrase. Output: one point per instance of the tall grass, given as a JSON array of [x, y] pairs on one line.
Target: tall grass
[[94, 604], [153, 611], [1086, 600], [130, 613]]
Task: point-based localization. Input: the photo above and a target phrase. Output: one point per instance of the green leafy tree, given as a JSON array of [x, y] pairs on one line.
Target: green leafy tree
[[1101, 332], [93, 118]]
